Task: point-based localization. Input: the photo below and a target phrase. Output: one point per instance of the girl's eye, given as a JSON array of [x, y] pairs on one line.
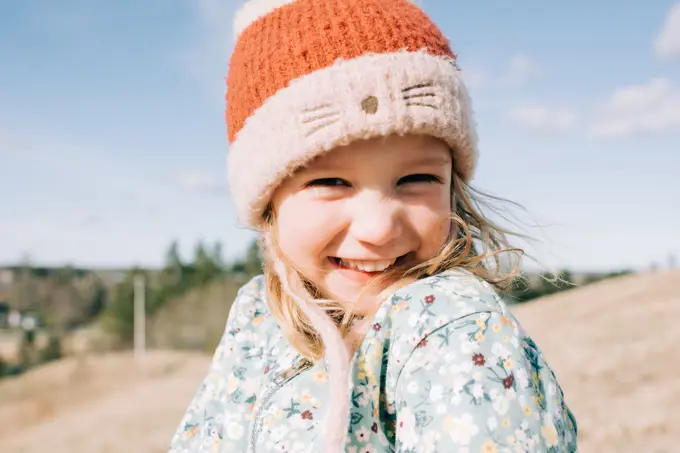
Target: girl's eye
[[327, 182], [419, 178]]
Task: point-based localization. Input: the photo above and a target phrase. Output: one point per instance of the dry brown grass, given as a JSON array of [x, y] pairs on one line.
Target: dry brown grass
[[613, 346], [107, 404]]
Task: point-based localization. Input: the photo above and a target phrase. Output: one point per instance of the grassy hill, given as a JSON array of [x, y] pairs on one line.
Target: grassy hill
[[613, 345]]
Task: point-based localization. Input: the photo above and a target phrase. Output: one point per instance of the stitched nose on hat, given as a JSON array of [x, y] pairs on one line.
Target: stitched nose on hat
[[370, 105]]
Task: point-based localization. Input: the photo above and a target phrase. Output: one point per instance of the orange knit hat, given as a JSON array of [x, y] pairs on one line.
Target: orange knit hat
[[307, 76]]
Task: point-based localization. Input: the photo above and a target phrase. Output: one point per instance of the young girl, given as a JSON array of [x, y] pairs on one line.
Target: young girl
[[376, 326]]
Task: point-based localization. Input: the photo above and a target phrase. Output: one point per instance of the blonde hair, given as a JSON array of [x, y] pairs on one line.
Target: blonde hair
[[475, 244]]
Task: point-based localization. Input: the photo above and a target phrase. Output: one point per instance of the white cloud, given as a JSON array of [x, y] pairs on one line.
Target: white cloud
[[542, 118], [475, 79], [521, 70], [667, 43], [202, 183], [653, 108]]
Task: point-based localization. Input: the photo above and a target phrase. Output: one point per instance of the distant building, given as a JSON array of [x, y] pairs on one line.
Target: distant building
[[6, 276]]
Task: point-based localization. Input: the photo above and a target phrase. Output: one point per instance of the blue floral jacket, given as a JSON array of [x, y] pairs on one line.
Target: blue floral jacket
[[445, 368]]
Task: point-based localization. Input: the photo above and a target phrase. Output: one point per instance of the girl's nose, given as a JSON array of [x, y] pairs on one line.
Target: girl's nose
[[376, 223]]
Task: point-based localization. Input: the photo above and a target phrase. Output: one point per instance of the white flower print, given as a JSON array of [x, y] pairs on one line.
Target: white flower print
[[299, 423], [362, 434], [436, 393], [412, 387], [407, 429], [551, 389], [429, 444], [467, 347], [492, 423], [279, 432], [298, 447], [477, 391], [459, 381], [501, 404], [235, 431], [522, 377], [499, 351], [462, 429], [455, 398]]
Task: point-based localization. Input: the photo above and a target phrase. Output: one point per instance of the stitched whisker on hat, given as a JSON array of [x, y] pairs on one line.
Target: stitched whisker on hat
[[319, 127], [420, 95], [420, 85], [316, 108], [321, 116], [422, 104]]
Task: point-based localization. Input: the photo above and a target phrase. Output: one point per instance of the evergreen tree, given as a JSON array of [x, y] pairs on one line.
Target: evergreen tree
[[216, 255], [205, 268], [172, 275]]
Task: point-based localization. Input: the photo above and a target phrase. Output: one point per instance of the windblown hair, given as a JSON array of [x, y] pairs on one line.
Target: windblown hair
[[475, 244]]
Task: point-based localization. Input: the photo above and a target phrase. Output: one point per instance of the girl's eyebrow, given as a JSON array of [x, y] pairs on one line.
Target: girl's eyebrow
[[429, 161]]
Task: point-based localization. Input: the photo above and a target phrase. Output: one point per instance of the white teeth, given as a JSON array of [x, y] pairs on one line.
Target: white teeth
[[367, 266]]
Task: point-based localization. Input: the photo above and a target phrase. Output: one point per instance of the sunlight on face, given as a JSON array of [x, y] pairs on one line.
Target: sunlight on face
[[363, 208]]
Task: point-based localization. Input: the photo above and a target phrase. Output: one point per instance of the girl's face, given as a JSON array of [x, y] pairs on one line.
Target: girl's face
[[363, 208]]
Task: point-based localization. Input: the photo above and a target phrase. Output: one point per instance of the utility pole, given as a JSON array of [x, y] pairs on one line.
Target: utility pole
[[140, 316]]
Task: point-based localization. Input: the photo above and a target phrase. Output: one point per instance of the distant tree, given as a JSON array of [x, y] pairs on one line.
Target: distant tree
[[252, 263], [216, 255], [204, 266], [172, 257], [173, 273], [65, 274]]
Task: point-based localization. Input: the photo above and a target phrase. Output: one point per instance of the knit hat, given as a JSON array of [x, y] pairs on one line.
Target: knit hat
[[307, 76]]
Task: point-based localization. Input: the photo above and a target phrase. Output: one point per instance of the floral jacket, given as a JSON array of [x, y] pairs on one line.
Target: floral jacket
[[445, 368]]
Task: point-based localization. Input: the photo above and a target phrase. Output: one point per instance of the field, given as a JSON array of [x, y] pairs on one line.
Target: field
[[612, 344]]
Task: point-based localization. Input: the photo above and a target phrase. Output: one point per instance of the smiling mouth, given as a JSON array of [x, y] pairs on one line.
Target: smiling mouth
[[367, 266]]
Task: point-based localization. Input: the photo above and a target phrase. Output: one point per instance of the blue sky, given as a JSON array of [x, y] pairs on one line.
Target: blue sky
[[112, 139]]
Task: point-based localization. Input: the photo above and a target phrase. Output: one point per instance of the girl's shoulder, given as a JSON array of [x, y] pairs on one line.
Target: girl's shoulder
[[444, 306], [249, 309], [444, 297]]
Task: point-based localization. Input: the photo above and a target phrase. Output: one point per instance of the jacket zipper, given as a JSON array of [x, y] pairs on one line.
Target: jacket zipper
[[279, 380]]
